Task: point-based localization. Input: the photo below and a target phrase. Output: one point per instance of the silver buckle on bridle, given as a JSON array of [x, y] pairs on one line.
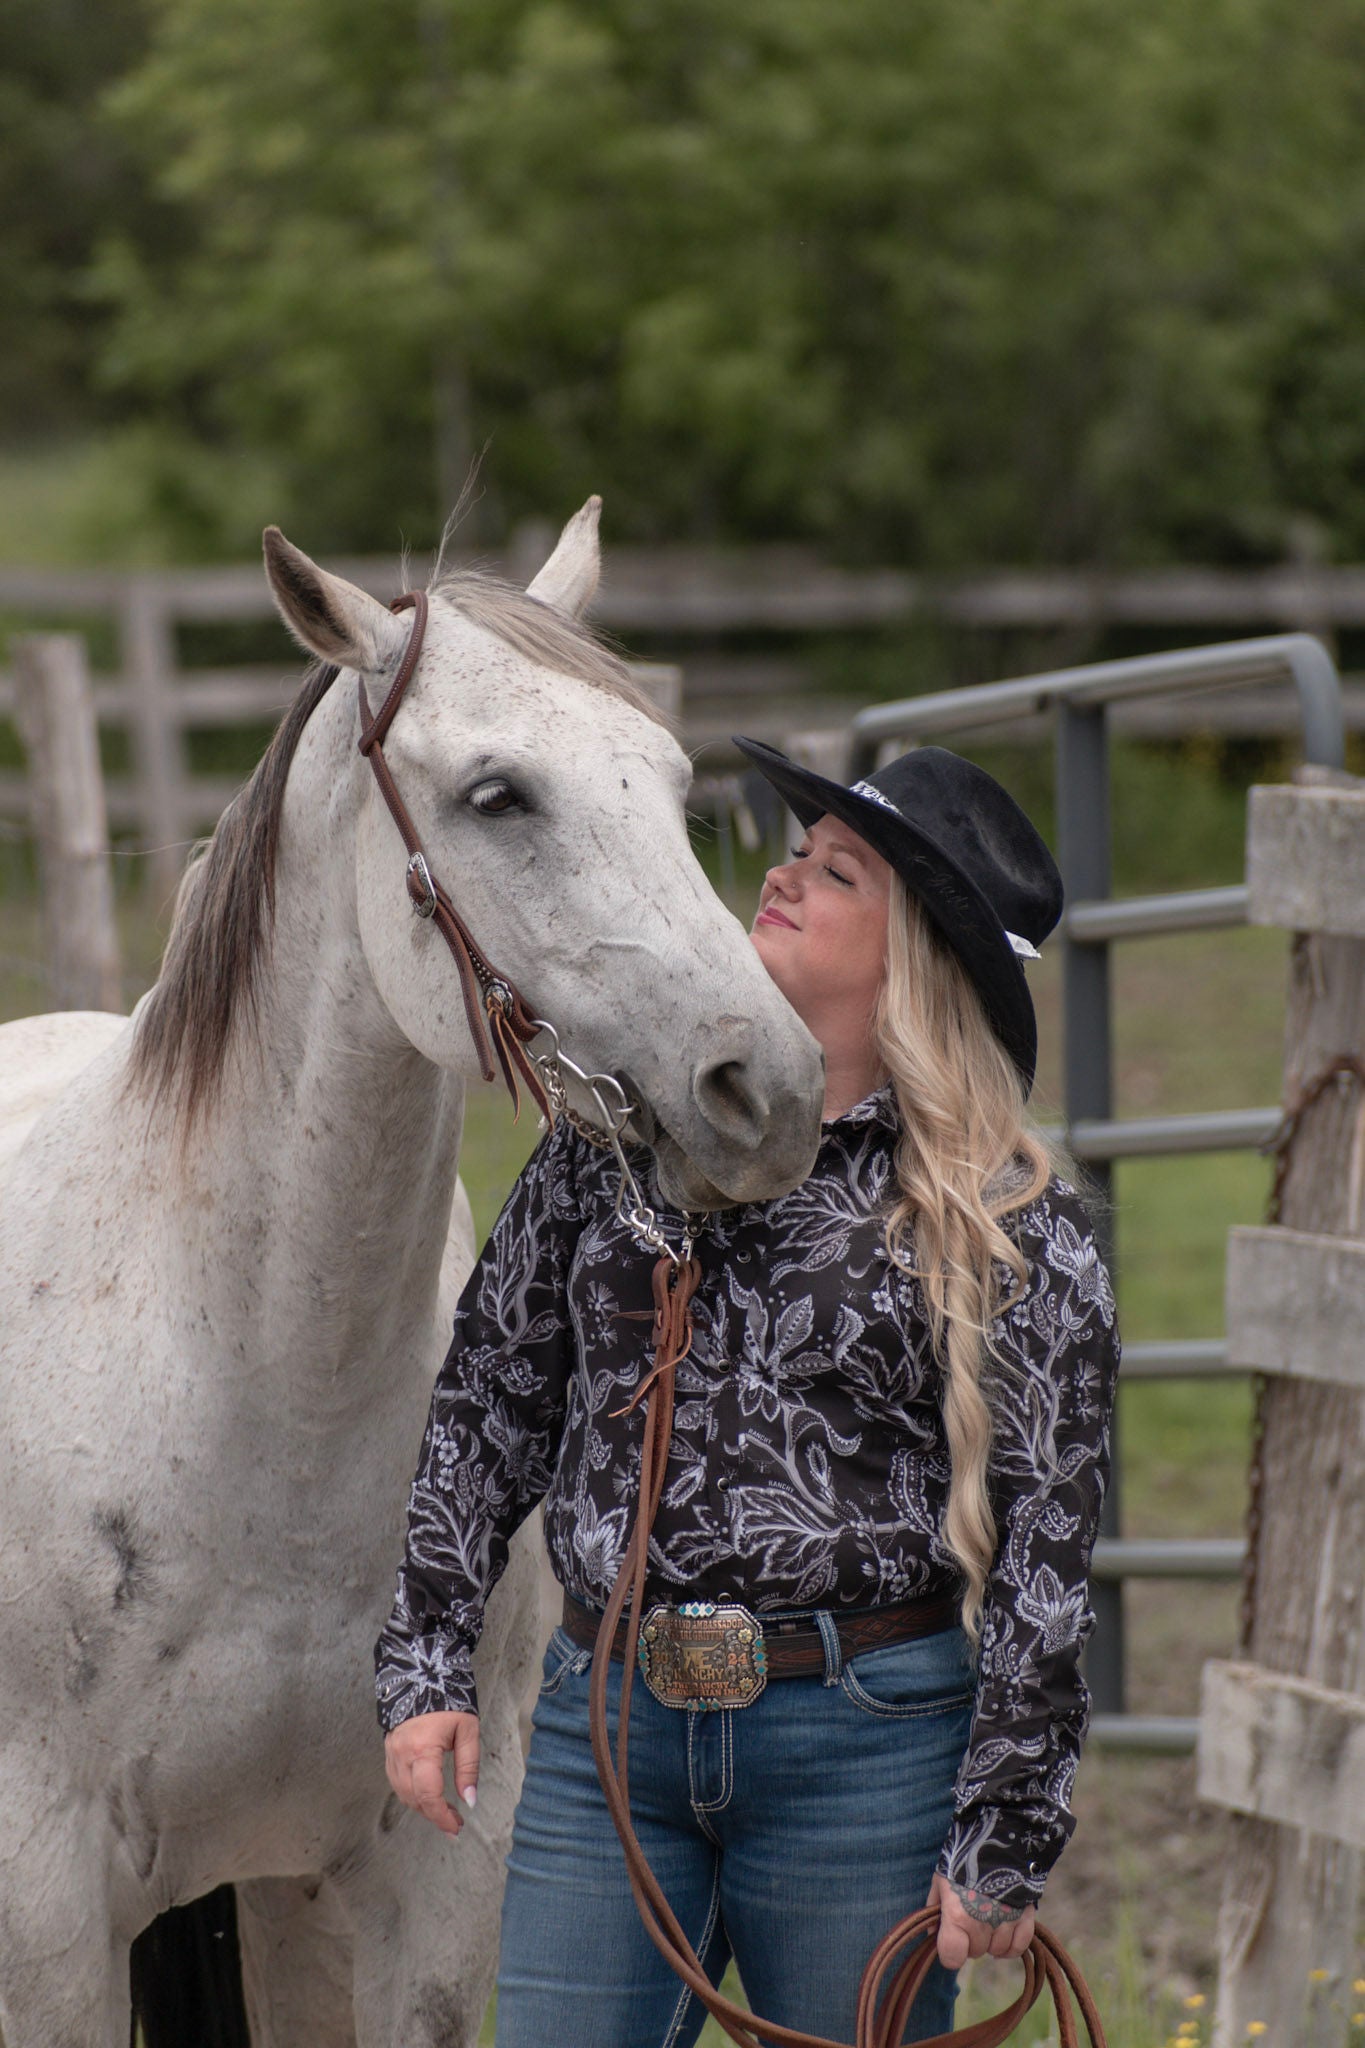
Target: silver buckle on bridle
[[417, 865]]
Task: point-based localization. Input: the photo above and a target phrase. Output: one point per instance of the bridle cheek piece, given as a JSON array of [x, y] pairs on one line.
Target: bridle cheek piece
[[499, 1022]]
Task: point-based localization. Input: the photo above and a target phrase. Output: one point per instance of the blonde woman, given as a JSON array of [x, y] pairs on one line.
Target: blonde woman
[[890, 1448]]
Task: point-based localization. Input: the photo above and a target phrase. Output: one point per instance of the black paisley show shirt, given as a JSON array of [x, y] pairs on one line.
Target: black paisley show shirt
[[809, 1465]]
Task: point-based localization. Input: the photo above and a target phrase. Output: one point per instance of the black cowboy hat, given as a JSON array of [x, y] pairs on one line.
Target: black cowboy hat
[[963, 846]]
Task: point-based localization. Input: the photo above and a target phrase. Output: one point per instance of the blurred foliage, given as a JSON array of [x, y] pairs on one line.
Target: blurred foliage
[[68, 177], [1015, 280]]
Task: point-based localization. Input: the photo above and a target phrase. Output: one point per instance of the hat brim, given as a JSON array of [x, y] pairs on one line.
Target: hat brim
[[960, 911]]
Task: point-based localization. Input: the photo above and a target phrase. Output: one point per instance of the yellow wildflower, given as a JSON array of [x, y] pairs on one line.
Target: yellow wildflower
[[1255, 2028], [1359, 1984], [1318, 1976], [1195, 2002]]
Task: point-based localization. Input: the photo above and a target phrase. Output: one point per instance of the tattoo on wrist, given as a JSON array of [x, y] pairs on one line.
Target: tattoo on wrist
[[988, 1911]]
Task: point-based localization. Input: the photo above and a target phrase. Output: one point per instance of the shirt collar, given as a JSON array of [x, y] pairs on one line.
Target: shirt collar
[[877, 1108]]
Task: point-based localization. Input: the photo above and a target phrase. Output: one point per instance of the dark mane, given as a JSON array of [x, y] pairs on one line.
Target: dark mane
[[225, 912]]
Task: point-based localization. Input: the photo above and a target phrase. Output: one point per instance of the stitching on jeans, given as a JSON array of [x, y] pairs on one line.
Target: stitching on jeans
[[568, 1659], [907, 1710], [685, 1995], [702, 1807]]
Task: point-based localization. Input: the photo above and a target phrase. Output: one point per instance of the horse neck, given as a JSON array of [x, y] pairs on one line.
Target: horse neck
[[334, 1145]]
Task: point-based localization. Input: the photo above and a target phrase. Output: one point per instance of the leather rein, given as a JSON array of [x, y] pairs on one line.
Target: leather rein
[[502, 1026]]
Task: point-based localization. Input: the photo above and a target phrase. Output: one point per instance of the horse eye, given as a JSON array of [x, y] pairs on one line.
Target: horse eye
[[490, 798]]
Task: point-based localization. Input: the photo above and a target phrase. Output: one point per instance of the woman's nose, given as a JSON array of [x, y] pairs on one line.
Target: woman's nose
[[781, 877]]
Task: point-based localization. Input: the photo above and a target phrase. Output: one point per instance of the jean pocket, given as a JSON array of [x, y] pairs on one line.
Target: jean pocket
[[928, 1675], [563, 1659]]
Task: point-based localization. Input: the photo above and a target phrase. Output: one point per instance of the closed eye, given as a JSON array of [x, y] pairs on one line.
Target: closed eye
[[803, 853]]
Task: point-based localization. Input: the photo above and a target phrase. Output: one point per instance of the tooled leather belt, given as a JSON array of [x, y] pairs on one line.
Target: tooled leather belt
[[771, 1648]]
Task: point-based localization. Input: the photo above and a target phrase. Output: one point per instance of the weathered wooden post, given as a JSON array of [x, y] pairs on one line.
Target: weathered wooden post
[[148, 647], [55, 713], [1282, 1733]]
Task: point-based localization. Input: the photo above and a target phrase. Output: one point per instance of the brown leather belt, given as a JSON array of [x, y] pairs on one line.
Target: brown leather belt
[[792, 1648]]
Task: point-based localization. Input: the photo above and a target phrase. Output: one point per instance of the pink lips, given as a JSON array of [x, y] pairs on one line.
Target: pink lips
[[771, 916]]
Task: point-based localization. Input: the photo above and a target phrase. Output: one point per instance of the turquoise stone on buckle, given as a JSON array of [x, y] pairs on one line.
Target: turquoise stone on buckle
[[703, 1655]]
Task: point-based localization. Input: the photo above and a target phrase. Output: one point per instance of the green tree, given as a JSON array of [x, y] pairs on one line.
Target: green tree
[[1030, 280], [65, 176]]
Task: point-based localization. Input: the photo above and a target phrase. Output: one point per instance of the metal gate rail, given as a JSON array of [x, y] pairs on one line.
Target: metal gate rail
[[1092, 924]]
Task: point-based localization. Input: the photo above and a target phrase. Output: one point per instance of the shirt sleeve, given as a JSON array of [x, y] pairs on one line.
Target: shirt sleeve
[[492, 1436], [1053, 1393]]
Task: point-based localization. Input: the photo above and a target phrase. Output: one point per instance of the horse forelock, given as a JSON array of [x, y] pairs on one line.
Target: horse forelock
[[224, 912], [541, 633]]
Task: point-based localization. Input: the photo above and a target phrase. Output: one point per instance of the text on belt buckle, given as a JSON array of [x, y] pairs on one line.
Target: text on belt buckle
[[701, 1655]]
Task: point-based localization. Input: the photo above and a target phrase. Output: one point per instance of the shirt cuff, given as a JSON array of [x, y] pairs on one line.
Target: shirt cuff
[[428, 1675], [993, 1851]]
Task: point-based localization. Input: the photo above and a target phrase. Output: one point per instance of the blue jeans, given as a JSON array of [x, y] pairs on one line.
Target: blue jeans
[[791, 1834]]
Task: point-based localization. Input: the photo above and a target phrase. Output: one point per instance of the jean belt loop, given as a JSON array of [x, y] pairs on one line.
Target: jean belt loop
[[834, 1649]]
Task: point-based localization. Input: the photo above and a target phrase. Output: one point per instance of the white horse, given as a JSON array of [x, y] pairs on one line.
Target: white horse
[[230, 1244]]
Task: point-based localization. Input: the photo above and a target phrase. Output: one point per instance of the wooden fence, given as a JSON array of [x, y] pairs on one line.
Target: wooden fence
[[1282, 1734], [688, 597]]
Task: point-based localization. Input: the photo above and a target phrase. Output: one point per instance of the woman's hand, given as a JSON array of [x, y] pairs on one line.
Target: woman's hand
[[973, 1925], [415, 1757]]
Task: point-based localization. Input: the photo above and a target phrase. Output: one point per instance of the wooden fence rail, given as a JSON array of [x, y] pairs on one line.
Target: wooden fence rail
[[678, 594], [1282, 1732]]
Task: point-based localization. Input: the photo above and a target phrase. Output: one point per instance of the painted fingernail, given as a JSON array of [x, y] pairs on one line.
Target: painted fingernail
[[470, 1797]]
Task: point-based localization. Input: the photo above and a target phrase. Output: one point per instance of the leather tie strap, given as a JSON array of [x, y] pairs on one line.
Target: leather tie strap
[[499, 1022], [907, 1953]]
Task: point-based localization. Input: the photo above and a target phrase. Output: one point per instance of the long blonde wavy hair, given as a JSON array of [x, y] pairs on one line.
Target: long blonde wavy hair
[[967, 1158]]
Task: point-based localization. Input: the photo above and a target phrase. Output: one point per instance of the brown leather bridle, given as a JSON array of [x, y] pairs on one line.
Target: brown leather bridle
[[501, 1024], [499, 1021]]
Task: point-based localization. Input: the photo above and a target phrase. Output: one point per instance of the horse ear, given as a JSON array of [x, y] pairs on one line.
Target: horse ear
[[569, 578], [328, 616]]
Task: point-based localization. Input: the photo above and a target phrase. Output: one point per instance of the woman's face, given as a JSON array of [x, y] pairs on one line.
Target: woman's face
[[821, 926]]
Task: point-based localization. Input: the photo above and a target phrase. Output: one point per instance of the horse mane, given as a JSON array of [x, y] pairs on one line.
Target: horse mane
[[225, 909]]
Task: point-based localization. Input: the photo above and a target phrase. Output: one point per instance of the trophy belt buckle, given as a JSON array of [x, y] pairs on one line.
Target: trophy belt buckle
[[703, 1655]]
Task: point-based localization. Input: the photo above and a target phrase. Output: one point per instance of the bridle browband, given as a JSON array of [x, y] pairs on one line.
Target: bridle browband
[[499, 1021]]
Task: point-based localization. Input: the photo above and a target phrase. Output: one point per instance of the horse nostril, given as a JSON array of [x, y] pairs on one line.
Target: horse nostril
[[726, 1096]]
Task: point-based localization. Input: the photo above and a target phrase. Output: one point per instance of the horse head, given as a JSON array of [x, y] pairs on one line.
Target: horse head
[[549, 799]]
